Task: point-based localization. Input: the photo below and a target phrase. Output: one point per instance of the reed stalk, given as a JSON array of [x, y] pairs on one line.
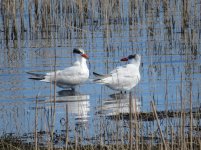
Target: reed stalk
[[159, 127], [66, 143], [130, 122], [22, 18], [191, 118], [36, 124]]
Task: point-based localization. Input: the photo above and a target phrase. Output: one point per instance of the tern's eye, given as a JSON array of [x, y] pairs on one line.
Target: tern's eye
[[131, 56]]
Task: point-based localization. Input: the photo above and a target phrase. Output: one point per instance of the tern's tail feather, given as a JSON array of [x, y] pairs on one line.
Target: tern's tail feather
[[98, 75], [100, 81], [100, 78], [36, 76]]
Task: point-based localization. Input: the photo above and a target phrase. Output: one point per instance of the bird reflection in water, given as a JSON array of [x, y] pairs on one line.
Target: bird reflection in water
[[77, 106], [118, 104], [66, 112]]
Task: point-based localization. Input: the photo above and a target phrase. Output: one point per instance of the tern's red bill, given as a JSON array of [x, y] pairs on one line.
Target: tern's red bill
[[124, 59], [85, 56]]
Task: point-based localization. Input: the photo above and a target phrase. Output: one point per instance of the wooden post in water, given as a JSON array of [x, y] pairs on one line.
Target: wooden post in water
[[156, 116]]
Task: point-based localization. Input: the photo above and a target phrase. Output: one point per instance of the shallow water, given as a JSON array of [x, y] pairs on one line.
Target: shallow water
[[164, 34]]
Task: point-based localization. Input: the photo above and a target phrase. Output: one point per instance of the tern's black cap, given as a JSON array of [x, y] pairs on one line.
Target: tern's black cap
[[77, 51], [131, 56]]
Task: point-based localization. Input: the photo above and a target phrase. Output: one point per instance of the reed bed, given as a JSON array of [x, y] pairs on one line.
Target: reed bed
[[163, 28]]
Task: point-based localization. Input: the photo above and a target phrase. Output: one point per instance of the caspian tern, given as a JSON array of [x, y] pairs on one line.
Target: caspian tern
[[77, 74], [122, 78]]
